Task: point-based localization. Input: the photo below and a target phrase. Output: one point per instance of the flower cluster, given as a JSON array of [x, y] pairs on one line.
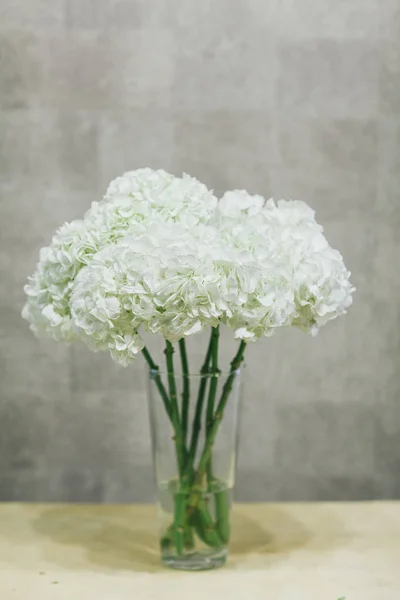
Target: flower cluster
[[162, 254], [131, 204]]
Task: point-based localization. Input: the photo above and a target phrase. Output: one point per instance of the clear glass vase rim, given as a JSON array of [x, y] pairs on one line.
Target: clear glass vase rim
[[191, 375]]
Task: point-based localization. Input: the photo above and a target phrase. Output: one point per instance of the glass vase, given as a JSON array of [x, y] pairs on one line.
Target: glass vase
[[194, 426]]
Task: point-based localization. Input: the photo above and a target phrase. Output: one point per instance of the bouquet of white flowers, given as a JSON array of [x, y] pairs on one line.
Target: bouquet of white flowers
[[161, 254]]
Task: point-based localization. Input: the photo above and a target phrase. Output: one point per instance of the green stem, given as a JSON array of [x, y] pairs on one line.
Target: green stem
[[180, 448], [186, 389], [219, 413], [222, 515], [213, 391], [196, 428], [179, 522], [156, 376], [204, 525]]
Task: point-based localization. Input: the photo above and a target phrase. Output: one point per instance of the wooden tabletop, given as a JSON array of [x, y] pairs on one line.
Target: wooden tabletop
[[278, 552]]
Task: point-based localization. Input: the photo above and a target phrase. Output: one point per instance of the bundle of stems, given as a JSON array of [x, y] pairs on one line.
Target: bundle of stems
[[192, 514]]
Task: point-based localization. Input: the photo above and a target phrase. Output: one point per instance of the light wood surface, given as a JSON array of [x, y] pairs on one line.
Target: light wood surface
[[278, 552]]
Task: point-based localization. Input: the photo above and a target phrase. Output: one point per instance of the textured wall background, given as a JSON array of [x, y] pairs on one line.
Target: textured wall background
[[291, 98]]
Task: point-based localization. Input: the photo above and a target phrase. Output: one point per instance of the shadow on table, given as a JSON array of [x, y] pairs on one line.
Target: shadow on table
[[124, 538]]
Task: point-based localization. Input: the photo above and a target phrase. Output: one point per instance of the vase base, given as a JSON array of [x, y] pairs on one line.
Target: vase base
[[196, 562]]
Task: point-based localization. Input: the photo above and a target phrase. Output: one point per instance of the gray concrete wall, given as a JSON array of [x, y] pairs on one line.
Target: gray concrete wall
[[291, 98]]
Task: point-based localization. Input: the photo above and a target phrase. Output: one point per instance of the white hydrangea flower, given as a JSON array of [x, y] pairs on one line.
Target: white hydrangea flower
[[239, 204], [48, 290], [172, 198], [286, 239], [132, 202], [164, 281]]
